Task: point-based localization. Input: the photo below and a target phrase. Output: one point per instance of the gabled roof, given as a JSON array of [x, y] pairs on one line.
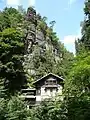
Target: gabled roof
[[50, 74]]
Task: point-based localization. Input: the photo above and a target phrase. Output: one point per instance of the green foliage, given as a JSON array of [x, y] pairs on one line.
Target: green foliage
[[11, 58], [15, 26], [3, 110], [77, 85], [47, 55], [49, 110], [43, 62], [16, 109], [9, 17], [13, 109], [3, 91], [52, 24], [77, 88], [84, 42], [79, 77], [42, 26], [79, 108]]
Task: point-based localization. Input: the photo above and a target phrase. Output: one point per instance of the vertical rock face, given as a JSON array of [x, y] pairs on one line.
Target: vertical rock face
[[37, 45], [41, 54]]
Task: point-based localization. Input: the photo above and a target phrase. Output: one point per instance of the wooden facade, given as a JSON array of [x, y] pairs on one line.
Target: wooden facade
[[46, 87]]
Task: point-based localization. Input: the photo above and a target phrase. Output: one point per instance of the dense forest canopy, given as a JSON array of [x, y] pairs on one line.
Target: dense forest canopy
[[29, 49]]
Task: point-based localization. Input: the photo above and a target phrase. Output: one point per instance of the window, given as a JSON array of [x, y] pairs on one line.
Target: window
[[54, 82], [38, 92], [51, 90], [30, 93], [51, 82], [45, 90], [46, 82]]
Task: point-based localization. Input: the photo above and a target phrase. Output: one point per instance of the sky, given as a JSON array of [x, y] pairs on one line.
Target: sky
[[67, 13]]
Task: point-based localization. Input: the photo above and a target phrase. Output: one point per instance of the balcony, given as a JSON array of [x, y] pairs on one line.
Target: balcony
[[29, 93], [51, 83], [51, 86]]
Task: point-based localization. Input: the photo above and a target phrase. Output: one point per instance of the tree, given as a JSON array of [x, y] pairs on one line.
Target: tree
[[77, 88], [52, 110], [3, 91], [10, 17], [16, 109], [3, 111], [52, 24], [77, 85], [79, 108], [84, 42], [11, 58], [79, 79], [13, 109]]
